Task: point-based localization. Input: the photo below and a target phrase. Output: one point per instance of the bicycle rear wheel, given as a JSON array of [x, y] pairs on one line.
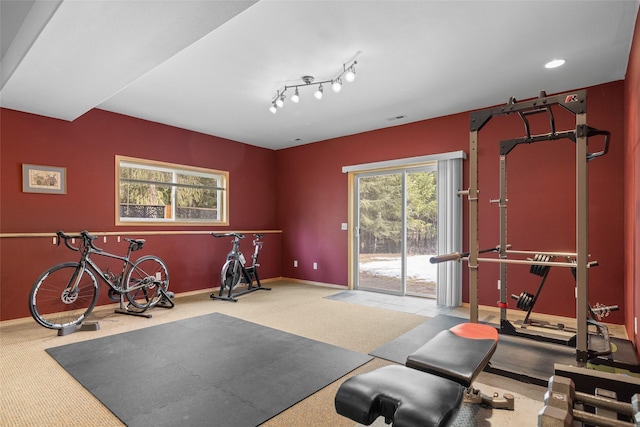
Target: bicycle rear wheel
[[54, 305], [146, 278], [230, 274]]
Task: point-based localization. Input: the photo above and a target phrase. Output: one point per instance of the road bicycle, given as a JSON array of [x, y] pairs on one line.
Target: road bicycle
[[64, 295], [234, 272]]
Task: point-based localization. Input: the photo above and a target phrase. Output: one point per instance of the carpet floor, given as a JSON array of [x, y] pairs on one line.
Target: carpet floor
[[36, 391]]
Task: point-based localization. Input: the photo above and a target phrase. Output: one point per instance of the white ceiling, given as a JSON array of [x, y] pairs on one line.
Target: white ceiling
[[215, 66]]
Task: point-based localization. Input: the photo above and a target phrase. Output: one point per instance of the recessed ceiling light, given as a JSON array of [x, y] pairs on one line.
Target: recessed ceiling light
[[555, 63]]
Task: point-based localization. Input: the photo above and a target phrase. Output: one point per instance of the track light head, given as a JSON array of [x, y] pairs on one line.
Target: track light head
[[336, 85], [273, 108], [295, 97], [318, 93], [280, 101], [350, 75]]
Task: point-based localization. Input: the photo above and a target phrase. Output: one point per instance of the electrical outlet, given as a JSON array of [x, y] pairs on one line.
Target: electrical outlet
[[295, 262], [315, 265], [344, 226]]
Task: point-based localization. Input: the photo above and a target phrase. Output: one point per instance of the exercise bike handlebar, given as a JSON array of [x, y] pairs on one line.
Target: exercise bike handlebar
[[237, 235]]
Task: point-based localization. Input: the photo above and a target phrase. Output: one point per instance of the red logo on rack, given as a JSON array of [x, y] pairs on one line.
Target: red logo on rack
[[571, 98]]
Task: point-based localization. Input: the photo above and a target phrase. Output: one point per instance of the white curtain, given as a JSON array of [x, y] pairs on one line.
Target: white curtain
[[449, 291]]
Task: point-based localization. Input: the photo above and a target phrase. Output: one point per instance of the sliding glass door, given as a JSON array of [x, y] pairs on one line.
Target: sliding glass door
[[396, 231], [380, 232]]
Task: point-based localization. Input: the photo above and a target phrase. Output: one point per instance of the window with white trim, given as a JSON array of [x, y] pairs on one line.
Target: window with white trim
[[154, 192]]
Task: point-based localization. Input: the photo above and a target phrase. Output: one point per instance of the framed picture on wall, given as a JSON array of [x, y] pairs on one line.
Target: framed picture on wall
[[44, 179]]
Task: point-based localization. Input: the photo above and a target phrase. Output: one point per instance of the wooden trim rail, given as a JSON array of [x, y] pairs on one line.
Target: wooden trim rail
[[140, 233]]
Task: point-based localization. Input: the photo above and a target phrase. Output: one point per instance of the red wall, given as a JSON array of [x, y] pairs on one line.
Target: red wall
[[632, 187], [541, 182], [314, 192], [311, 191], [87, 149]]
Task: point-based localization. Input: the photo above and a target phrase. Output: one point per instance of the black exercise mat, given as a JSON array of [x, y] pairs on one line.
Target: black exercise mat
[[529, 360], [212, 370], [518, 358]]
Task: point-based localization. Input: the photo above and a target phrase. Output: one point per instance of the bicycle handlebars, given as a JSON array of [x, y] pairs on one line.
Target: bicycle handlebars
[[84, 235]]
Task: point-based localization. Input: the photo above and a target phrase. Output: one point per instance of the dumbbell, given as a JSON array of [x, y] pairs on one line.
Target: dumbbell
[[601, 311], [559, 407]]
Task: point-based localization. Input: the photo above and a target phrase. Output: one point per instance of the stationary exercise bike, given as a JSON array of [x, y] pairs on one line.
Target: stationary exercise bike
[[234, 272]]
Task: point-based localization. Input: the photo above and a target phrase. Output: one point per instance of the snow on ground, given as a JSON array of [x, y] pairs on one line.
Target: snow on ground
[[418, 267]]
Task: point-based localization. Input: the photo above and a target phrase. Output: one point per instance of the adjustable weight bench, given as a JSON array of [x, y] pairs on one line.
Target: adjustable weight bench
[[429, 390]]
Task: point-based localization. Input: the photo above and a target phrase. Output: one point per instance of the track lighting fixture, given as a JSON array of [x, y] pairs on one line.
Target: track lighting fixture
[[348, 72]]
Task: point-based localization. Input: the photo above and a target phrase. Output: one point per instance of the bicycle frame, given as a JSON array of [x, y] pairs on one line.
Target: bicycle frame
[[86, 260], [89, 262]]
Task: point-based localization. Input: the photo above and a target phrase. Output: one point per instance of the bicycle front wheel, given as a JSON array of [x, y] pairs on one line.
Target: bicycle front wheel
[[54, 303], [145, 280]]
